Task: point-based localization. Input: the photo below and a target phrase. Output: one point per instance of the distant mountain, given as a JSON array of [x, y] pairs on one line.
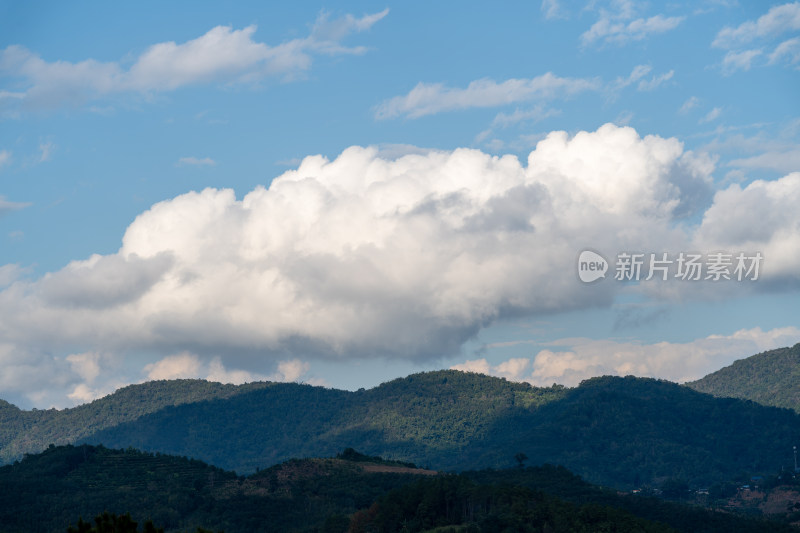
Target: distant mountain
[[46, 492], [435, 418], [32, 431], [620, 432], [626, 432], [768, 378]]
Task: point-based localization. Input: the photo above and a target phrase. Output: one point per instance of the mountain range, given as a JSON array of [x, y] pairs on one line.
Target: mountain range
[[619, 432]]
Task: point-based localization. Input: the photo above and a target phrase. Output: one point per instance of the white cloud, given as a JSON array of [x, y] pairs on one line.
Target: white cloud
[[46, 151], [552, 9], [103, 281], [7, 206], [350, 256], [572, 360], [86, 365], [217, 372], [222, 55], [778, 20], [326, 34], [82, 393], [9, 95], [512, 368], [734, 61], [689, 104], [788, 50], [534, 114], [711, 115], [624, 118], [781, 160], [291, 370], [762, 217], [365, 256], [184, 365], [478, 366], [431, 98], [759, 152], [189, 365], [766, 30], [195, 161], [638, 72], [518, 116], [94, 374], [10, 273], [655, 81], [5, 157], [610, 30]]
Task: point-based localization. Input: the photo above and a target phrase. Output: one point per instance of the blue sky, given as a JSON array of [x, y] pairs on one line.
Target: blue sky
[[344, 194]]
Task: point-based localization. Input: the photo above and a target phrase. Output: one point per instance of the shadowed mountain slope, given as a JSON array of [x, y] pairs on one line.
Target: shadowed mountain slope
[[769, 378]]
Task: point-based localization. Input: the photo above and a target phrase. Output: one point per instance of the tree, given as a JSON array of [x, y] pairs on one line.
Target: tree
[[112, 523], [521, 458]]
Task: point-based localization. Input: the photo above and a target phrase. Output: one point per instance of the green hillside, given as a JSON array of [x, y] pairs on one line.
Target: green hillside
[[618, 432], [32, 431], [628, 431], [46, 492], [435, 417], [769, 378]]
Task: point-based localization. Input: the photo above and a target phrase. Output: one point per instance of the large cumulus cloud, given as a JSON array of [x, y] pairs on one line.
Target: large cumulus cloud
[[763, 216], [365, 256]]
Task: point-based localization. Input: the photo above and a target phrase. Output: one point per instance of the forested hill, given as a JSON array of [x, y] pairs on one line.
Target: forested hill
[[46, 492], [618, 432], [31, 431], [613, 431], [769, 378], [464, 408], [437, 418]]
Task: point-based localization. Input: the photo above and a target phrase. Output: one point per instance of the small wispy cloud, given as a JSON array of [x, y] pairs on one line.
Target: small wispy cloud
[[788, 50], [523, 115], [638, 72], [46, 151], [766, 30], [5, 158], [552, 9], [655, 81], [689, 104], [612, 31], [431, 98], [221, 55], [7, 206], [734, 61], [778, 20], [197, 162], [711, 115], [780, 160], [637, 76]]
